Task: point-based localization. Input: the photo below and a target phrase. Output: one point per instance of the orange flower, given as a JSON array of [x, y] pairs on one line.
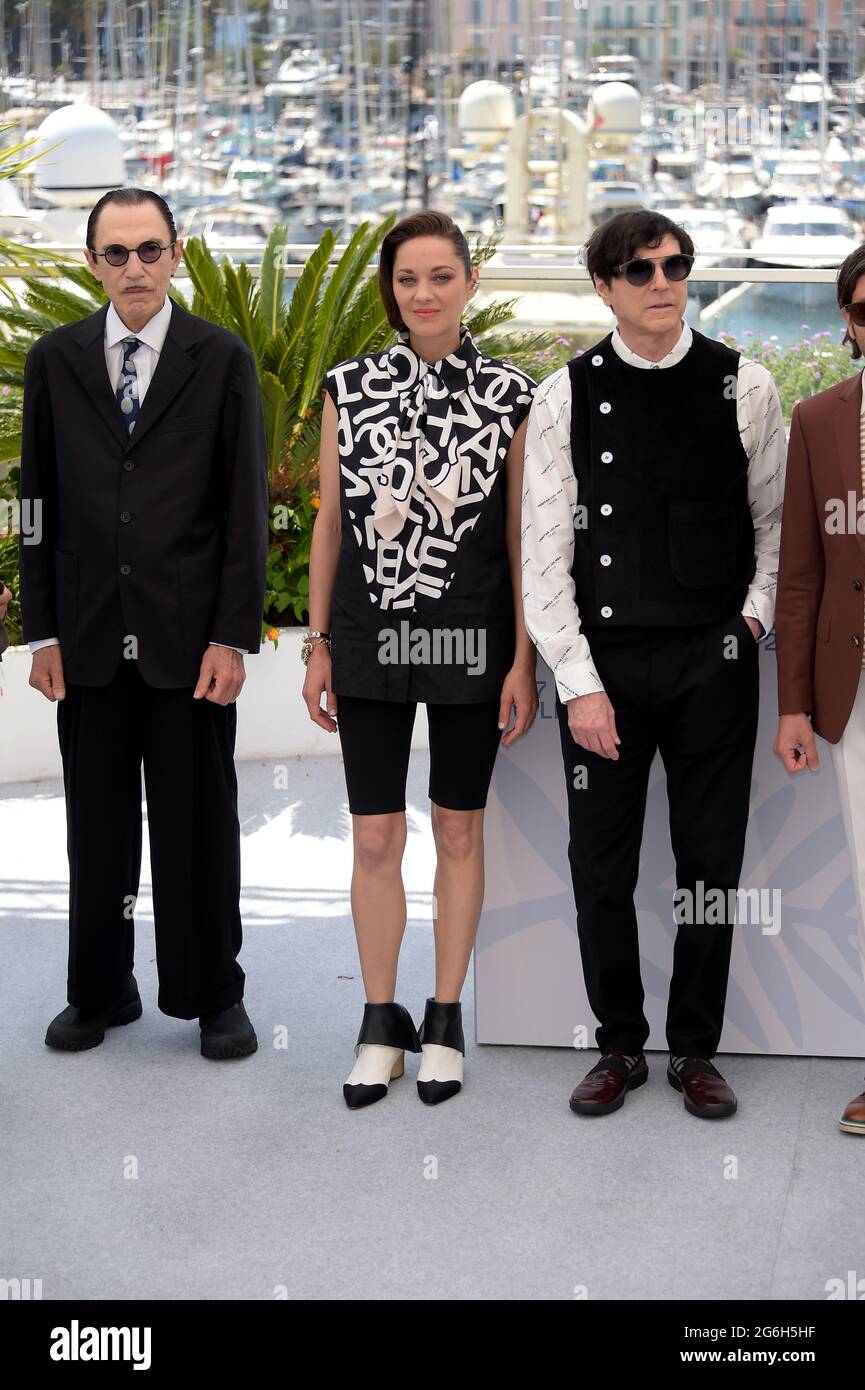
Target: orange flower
[[315, 501], [272, 633]]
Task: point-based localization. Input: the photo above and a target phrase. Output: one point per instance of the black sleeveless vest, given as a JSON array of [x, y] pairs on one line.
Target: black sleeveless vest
[[663, 533]]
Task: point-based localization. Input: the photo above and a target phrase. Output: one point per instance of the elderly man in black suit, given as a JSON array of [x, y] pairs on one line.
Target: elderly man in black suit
[[144, 462]]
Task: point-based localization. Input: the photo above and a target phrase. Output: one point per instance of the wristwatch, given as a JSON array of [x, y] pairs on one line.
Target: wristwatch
[[310, 640]]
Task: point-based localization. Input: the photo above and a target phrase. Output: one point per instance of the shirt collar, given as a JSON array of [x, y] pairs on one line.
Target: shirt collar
[[456, 371], [676, 353], [153, 333]]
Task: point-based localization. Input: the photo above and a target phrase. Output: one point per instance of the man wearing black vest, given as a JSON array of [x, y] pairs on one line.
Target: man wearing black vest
[[654, 480], [144, 468]]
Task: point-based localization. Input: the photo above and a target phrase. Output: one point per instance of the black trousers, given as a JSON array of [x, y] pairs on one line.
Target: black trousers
[[693, 695], [187, 750]]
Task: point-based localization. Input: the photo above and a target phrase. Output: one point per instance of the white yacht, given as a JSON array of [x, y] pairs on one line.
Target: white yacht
[[809, 236], [717, 233]]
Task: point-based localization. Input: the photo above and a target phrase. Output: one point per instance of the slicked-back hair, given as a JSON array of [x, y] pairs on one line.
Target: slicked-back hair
[[129, 198]]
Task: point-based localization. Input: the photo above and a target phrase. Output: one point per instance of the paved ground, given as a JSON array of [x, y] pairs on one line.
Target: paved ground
[[139, 1170]]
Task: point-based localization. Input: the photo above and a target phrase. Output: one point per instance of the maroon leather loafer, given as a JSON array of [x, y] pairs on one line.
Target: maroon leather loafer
[[853, 1119], [705, 1091], [603, 1089]]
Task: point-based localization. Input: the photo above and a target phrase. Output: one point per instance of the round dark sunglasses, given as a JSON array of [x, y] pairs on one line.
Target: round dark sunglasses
[[856, 310], [148, 252], [641, 270]]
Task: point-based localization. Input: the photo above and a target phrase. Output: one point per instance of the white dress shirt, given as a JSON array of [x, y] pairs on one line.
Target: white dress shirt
[[152, 338], [550, 500]]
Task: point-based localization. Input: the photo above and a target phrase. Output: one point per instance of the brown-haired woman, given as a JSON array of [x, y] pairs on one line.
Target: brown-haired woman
[[415, 596]]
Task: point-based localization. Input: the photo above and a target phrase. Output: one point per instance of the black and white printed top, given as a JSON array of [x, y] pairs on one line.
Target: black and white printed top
[[422, 602]]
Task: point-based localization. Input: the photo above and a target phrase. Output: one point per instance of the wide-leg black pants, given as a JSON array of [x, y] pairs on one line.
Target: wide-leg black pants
[[186, 747], [692, 694]]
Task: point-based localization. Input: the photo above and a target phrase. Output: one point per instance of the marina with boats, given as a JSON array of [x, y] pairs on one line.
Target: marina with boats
[[244, 118]]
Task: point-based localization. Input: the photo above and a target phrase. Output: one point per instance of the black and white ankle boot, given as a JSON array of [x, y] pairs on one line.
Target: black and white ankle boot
[[441, 1069], [386, 1033]]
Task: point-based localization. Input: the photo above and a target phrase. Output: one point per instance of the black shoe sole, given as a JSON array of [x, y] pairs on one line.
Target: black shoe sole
[[703, 1112], [222, 1053], [128, 1014], [587, 1107]]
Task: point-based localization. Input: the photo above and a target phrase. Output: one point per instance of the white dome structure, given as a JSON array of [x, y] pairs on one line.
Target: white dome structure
[[486, 112], [87, 160], [614, 115]]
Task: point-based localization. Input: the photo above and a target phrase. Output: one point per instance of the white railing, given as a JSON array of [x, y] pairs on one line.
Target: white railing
[[496, 274]]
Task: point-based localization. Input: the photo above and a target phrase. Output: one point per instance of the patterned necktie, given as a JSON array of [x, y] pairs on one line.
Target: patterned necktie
[[127, 386]]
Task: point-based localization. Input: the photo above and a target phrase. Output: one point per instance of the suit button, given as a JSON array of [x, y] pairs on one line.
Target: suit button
[[857, 585], [597, 360], [606, 559], [855, 640], [606, 457], [606, 611], [606, 509], [605, 407], [128, 465], [125, 516], [125, 569]]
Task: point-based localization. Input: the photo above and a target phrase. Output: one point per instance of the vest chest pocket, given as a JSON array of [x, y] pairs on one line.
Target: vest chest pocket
[[703, 539]]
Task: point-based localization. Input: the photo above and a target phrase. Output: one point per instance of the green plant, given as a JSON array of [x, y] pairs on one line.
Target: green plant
[[9, 576], [798, 369]]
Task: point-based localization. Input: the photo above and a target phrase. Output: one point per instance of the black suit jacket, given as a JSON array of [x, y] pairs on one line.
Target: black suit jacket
[[160, 536]]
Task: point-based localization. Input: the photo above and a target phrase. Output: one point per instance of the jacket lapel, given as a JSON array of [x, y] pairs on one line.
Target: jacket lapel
[[93, 373], [173, 370], [847, 426]]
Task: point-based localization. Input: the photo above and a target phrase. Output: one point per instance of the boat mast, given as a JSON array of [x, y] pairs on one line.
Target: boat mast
[[823, 50]]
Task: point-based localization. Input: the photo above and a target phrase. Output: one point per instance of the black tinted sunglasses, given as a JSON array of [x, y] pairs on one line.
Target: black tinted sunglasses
[[856, 310], [640, 271], [148, 252]]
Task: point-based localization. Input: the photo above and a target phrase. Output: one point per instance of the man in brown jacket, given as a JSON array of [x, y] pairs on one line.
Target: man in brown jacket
[[820, 609]]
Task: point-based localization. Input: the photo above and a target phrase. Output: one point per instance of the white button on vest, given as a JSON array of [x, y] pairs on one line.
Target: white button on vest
[[605, 407], [606, 457], [606, 559], [606, 611], [597, 360], [606, 509]]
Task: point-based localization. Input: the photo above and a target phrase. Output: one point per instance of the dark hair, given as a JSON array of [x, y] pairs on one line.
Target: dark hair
[[848, 273], [417, 224], [129, 198], [616, 241]]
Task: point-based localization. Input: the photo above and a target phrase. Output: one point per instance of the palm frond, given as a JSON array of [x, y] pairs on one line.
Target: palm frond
[[304, 297], [209, 300], [271, 280], [240, 295]]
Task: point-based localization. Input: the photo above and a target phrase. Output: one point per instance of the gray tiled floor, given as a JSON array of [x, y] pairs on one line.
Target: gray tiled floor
[[254, 1175]]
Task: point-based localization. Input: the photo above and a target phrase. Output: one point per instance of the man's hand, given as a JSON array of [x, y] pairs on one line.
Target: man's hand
[[795, 744], [46, 673], [592, 722], [5, 600], [221, 676], [756, 628]]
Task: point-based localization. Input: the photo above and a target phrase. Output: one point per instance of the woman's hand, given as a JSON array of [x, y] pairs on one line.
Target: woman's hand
[[519, 692], [318, 683]]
